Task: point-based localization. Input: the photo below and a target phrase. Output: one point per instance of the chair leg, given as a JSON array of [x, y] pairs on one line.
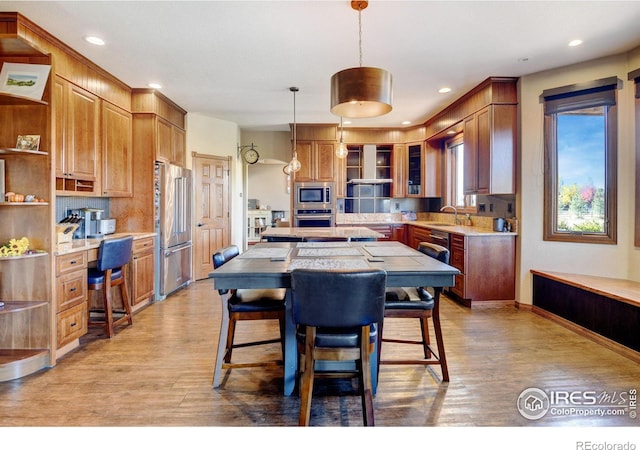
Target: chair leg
[[125, 298], [438, 332], [306, 382], [424, 329], [281, 321], [108, 304], [365, 377], [222, 341], [231, 331]]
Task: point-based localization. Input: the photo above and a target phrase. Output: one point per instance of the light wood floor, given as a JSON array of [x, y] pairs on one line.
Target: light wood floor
[[159, 373]]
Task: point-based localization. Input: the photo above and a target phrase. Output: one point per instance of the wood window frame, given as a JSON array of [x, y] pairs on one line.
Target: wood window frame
[[635, 76], [574, 97]]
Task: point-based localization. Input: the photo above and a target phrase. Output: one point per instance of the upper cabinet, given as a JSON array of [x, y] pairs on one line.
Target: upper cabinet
[[415, 175], [316, 146], [160, 123], [76, 139], [117, 152], [489, 150]]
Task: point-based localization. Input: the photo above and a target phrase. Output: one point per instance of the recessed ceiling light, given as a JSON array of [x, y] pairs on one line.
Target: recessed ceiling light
[[95, 40], [575, 43], [406, 122], [444, 90], [155, 85], [346, 122]]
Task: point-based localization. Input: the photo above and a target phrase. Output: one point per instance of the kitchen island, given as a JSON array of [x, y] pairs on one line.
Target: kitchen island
[[300, 233]]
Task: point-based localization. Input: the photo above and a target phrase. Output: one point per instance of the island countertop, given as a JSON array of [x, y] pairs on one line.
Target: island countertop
[[321, 232]]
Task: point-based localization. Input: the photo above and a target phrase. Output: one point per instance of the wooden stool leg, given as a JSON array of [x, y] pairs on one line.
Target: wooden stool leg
[[125, 298], [365, 377], [306, 382], [108, 307], [424, 328]]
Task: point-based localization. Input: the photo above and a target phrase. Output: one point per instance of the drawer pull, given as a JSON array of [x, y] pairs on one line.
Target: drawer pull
[[73, 261], [73, 324], [73, 289]]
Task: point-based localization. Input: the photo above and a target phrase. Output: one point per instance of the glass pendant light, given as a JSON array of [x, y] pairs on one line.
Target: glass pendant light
[[341, 151], [294, 164]]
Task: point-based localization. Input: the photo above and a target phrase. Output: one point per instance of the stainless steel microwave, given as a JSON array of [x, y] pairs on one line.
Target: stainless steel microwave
[[315, 194]]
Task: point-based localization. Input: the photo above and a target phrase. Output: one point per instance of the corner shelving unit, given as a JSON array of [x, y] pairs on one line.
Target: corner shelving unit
[[25, 280]]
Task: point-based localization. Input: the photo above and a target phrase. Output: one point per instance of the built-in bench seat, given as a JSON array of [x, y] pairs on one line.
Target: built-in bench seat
[[606, 310]]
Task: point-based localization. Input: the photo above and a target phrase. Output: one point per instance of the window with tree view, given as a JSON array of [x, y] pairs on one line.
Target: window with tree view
[[580, 155]]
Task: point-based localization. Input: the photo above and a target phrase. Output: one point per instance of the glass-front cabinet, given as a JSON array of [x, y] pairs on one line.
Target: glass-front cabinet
[[414, 170]]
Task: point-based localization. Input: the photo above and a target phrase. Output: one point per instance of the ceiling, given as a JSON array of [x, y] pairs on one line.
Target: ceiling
[[235, 60]]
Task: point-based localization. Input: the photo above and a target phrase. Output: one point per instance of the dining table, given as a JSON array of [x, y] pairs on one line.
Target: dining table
[[269, 265]]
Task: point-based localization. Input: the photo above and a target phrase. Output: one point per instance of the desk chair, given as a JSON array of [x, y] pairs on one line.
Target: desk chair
[[418, 303], [336, 313], [244, 304], [113, 255]]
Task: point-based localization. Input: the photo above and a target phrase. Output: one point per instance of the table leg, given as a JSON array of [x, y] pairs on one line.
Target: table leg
[[291, 348], [222, 341]]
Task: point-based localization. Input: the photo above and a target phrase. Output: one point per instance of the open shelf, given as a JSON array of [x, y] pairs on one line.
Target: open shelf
[[17, 363], [10, 151], [24, 203], [15, 306], [34, 254], [11, 99]]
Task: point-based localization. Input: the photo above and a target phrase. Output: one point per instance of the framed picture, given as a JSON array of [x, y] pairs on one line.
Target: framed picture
[[25, 80], [28, 142]]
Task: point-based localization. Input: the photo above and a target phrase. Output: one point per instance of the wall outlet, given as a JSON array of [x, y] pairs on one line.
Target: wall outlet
[[490, 207], [510, 207]]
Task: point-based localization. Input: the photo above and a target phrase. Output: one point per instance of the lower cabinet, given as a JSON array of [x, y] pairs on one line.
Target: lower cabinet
[[415, 235], [141, 271], [71, 297], [487, 266]]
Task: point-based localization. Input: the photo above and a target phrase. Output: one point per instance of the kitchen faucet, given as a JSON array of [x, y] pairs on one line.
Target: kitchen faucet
[[455, 217]]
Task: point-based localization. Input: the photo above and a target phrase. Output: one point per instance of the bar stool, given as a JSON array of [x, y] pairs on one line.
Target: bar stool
[[337, 313], [245, 304], [113, 255], [418, 303]]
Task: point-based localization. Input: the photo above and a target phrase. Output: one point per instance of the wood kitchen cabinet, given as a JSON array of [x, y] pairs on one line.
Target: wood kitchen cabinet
[[76, 139], [416, 234], [142, 272], [162, 123], [317, 161], [487, 266], [71, 297], [400, 161], [117, 151], [489, 150]]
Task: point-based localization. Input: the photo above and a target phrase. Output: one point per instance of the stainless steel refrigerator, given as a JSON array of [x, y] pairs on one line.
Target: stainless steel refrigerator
[[173, 190]]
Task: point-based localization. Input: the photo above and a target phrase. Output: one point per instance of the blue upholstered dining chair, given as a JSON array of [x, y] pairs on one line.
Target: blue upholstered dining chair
[[418, 303], [113, 255], [337, 314], [245, 304]]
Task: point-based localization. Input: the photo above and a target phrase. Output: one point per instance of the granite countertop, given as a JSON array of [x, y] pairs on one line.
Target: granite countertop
[[460, 229], [78, 245], [328, 232]]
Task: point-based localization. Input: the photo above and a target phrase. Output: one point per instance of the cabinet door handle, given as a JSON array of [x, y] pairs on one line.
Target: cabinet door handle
[[72, 289], [73, 261], [73, 325]]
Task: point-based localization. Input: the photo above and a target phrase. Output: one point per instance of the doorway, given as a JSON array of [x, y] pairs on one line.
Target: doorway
[[211, 211]]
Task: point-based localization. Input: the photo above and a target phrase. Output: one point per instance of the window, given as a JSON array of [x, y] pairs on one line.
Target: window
[[580, 128], [455, 177]]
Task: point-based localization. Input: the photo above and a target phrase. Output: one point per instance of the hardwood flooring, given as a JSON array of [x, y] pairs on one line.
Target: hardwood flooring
[[159, 373]]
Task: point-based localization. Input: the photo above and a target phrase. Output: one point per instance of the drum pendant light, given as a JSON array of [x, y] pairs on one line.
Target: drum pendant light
[[361, 92], [294, 164]]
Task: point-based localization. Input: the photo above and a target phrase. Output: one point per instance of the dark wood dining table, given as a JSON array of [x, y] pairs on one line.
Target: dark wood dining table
[[269, 265]]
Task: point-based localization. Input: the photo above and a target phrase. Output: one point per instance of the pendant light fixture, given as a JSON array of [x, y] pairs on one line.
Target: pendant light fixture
[[361, 92], [341, 151], [294, 164]]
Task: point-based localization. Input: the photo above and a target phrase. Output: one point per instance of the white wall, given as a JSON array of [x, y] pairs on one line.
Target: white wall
[[210, 136], [619, 261]]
